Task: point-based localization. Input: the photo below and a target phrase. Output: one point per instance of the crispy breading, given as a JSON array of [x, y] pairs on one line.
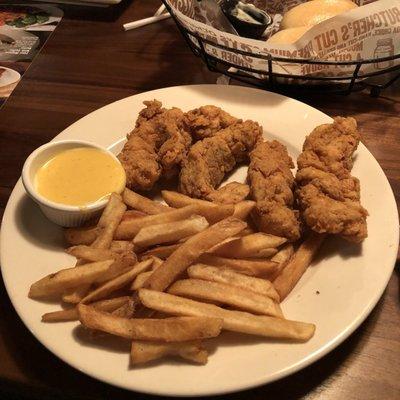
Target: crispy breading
[[206, 121], [140, 161], [174, 150], [156, 146], [210, 159], [271, 186], [329, 197], [330, 147]]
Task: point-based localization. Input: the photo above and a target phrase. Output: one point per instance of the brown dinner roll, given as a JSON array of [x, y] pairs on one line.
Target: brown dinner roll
[[315, 11], [288, 36]]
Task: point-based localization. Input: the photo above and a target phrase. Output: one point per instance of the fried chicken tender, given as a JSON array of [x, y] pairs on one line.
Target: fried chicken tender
[[156, 146], [271, 186], [210, 159], [329, 197], [206, 121]]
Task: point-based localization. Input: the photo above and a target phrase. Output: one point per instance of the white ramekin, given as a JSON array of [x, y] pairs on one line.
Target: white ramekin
[[61, 214]]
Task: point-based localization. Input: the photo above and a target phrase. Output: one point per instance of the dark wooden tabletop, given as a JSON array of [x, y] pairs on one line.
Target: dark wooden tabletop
[[89, 62]]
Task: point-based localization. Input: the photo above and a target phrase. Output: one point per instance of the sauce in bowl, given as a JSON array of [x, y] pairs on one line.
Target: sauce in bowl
[[247, 19], [79, 176]]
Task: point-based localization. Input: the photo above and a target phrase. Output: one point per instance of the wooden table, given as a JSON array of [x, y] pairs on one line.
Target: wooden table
[[89, 62]]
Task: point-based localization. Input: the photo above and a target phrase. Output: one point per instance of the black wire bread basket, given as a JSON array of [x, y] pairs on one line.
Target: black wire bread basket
[[385, 73]]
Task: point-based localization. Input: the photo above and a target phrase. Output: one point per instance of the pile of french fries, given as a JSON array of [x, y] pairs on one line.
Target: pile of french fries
[[170, 276]]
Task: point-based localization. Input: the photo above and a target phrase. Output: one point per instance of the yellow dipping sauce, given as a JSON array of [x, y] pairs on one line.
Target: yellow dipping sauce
[[80, 176]]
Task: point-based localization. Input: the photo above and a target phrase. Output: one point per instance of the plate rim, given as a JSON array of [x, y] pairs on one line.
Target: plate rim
[[301, 364]]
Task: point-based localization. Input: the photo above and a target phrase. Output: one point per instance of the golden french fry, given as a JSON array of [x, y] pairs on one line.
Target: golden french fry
[[117, 283], [77, 236], [132, 214], [169, 231], [142, 352], [236, 321], [282, 257], [247, 231], [189, 251], [110, 304], [121, 264], [284, 254], [75, 295], [234, 296], [109, 221], [178, 200], [123, 311], [110, 211], [106, 227], [162, 252], [165, 330], [216, 213], [224, 275], [140, 280], [72, 313], [183, 240], [252, 267], [90, 254], [126, 310], [298, 264], [230, 193], [68, 278], [141, 203], [211, 211], [266, 253], [249, 246], [243, 209], [130, 228], [156, 262], [121, 246], [218, 245], [143, 276]]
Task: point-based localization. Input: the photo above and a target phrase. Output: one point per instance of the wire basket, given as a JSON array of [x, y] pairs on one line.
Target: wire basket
[[269, 79]]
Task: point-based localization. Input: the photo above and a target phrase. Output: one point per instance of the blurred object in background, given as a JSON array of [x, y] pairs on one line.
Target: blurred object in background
[[93, 3], [23, 31]]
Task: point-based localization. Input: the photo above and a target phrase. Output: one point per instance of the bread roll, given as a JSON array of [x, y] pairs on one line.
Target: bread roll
[[315, 11], [288, 36]]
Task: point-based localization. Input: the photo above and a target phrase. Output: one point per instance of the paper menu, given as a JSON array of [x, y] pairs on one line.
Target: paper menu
[[24, 29]]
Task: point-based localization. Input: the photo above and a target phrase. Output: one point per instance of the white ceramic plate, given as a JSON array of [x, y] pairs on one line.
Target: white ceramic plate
[[349, 278], [8, 77]]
